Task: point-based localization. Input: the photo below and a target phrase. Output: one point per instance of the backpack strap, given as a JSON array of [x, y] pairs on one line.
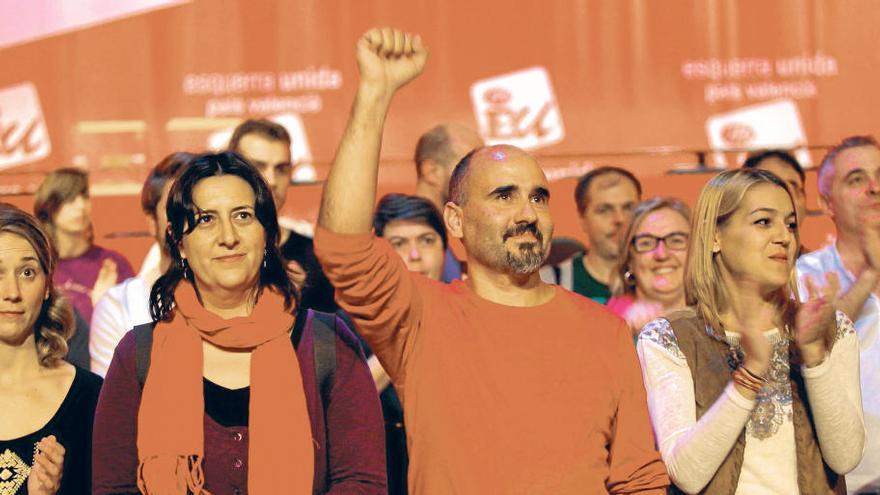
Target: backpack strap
[[323, 327], [143, 347], [324, 330]]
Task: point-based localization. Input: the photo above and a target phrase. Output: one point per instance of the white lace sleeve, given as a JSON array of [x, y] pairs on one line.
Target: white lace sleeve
[[836, 400], [692, 450]]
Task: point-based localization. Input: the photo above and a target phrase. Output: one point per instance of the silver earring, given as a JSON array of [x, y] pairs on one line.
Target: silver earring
[[629, 277], [265, 258]]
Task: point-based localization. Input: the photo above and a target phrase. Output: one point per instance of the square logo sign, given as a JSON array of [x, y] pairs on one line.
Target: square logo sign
[[23, 134], [518, 108], [775, 124]]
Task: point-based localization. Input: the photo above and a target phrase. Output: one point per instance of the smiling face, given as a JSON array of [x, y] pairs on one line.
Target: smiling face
[[418, 244], [659, 272], [22, 288], [226, 249], [757, 243], [505, 222]]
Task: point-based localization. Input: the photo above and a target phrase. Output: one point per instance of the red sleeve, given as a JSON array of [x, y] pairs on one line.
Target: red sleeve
[[635, 465], [114, 445], [355, 428], [374, 287]]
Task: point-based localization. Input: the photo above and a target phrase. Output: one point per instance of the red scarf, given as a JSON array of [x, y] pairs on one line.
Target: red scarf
[[171, 417]]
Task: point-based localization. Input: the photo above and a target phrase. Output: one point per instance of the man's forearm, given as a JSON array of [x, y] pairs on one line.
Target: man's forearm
[[851, 303], [350, 190]]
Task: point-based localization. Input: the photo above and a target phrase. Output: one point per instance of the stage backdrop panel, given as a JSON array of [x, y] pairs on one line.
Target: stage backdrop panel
[[113, 86]]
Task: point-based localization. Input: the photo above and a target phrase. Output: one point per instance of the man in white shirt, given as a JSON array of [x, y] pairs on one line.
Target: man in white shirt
[[127, 304], [849, 191]]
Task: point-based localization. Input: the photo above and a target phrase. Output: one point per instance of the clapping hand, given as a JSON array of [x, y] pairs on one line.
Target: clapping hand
[[640, 313], [45, 477], [106, 278], [815, 319]]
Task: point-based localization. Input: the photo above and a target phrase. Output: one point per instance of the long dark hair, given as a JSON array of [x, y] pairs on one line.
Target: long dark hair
[[182, 214]]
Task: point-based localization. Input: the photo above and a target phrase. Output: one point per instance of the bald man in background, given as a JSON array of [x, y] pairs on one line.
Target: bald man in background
[[437, 153]]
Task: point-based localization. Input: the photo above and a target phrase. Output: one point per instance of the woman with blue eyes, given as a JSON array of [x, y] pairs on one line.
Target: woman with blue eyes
[[46, 405], [749, 391], [649, 278], [229, 390]]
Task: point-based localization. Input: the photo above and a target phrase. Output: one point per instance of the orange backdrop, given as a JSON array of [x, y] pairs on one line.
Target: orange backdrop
[[632, 82]]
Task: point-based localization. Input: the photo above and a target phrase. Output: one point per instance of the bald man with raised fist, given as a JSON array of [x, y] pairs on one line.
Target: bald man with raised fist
[[509, 385]]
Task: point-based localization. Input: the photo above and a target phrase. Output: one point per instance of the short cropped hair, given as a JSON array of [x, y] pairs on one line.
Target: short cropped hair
[[754, 160], [581, 196], [457, 192], [436, 144], [393, 207], [826, 169], [164, 171], [264, 128]]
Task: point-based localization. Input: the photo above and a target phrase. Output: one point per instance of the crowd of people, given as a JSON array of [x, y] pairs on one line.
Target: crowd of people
[[700, 350]]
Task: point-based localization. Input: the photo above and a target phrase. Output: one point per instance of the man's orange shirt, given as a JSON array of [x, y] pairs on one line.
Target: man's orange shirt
[[500, 399]]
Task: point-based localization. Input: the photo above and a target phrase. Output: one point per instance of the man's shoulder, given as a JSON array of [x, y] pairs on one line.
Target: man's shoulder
[[125, 304], [820, 260], [586, 306], [553, 273], [131, 288], [567, 263]]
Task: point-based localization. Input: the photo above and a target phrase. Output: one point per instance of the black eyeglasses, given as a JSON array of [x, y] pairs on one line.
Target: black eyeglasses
[[645, 243]]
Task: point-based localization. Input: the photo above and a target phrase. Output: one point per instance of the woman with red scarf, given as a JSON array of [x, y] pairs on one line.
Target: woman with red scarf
[[231, 401]]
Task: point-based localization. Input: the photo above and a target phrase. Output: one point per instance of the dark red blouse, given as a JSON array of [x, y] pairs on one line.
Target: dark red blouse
[[355, 434]]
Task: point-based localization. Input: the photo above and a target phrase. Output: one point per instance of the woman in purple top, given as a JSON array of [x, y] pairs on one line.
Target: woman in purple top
[[85, 271], [223, 240]]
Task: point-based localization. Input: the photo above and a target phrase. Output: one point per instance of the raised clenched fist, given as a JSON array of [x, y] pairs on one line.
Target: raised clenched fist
[[388, 58]]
